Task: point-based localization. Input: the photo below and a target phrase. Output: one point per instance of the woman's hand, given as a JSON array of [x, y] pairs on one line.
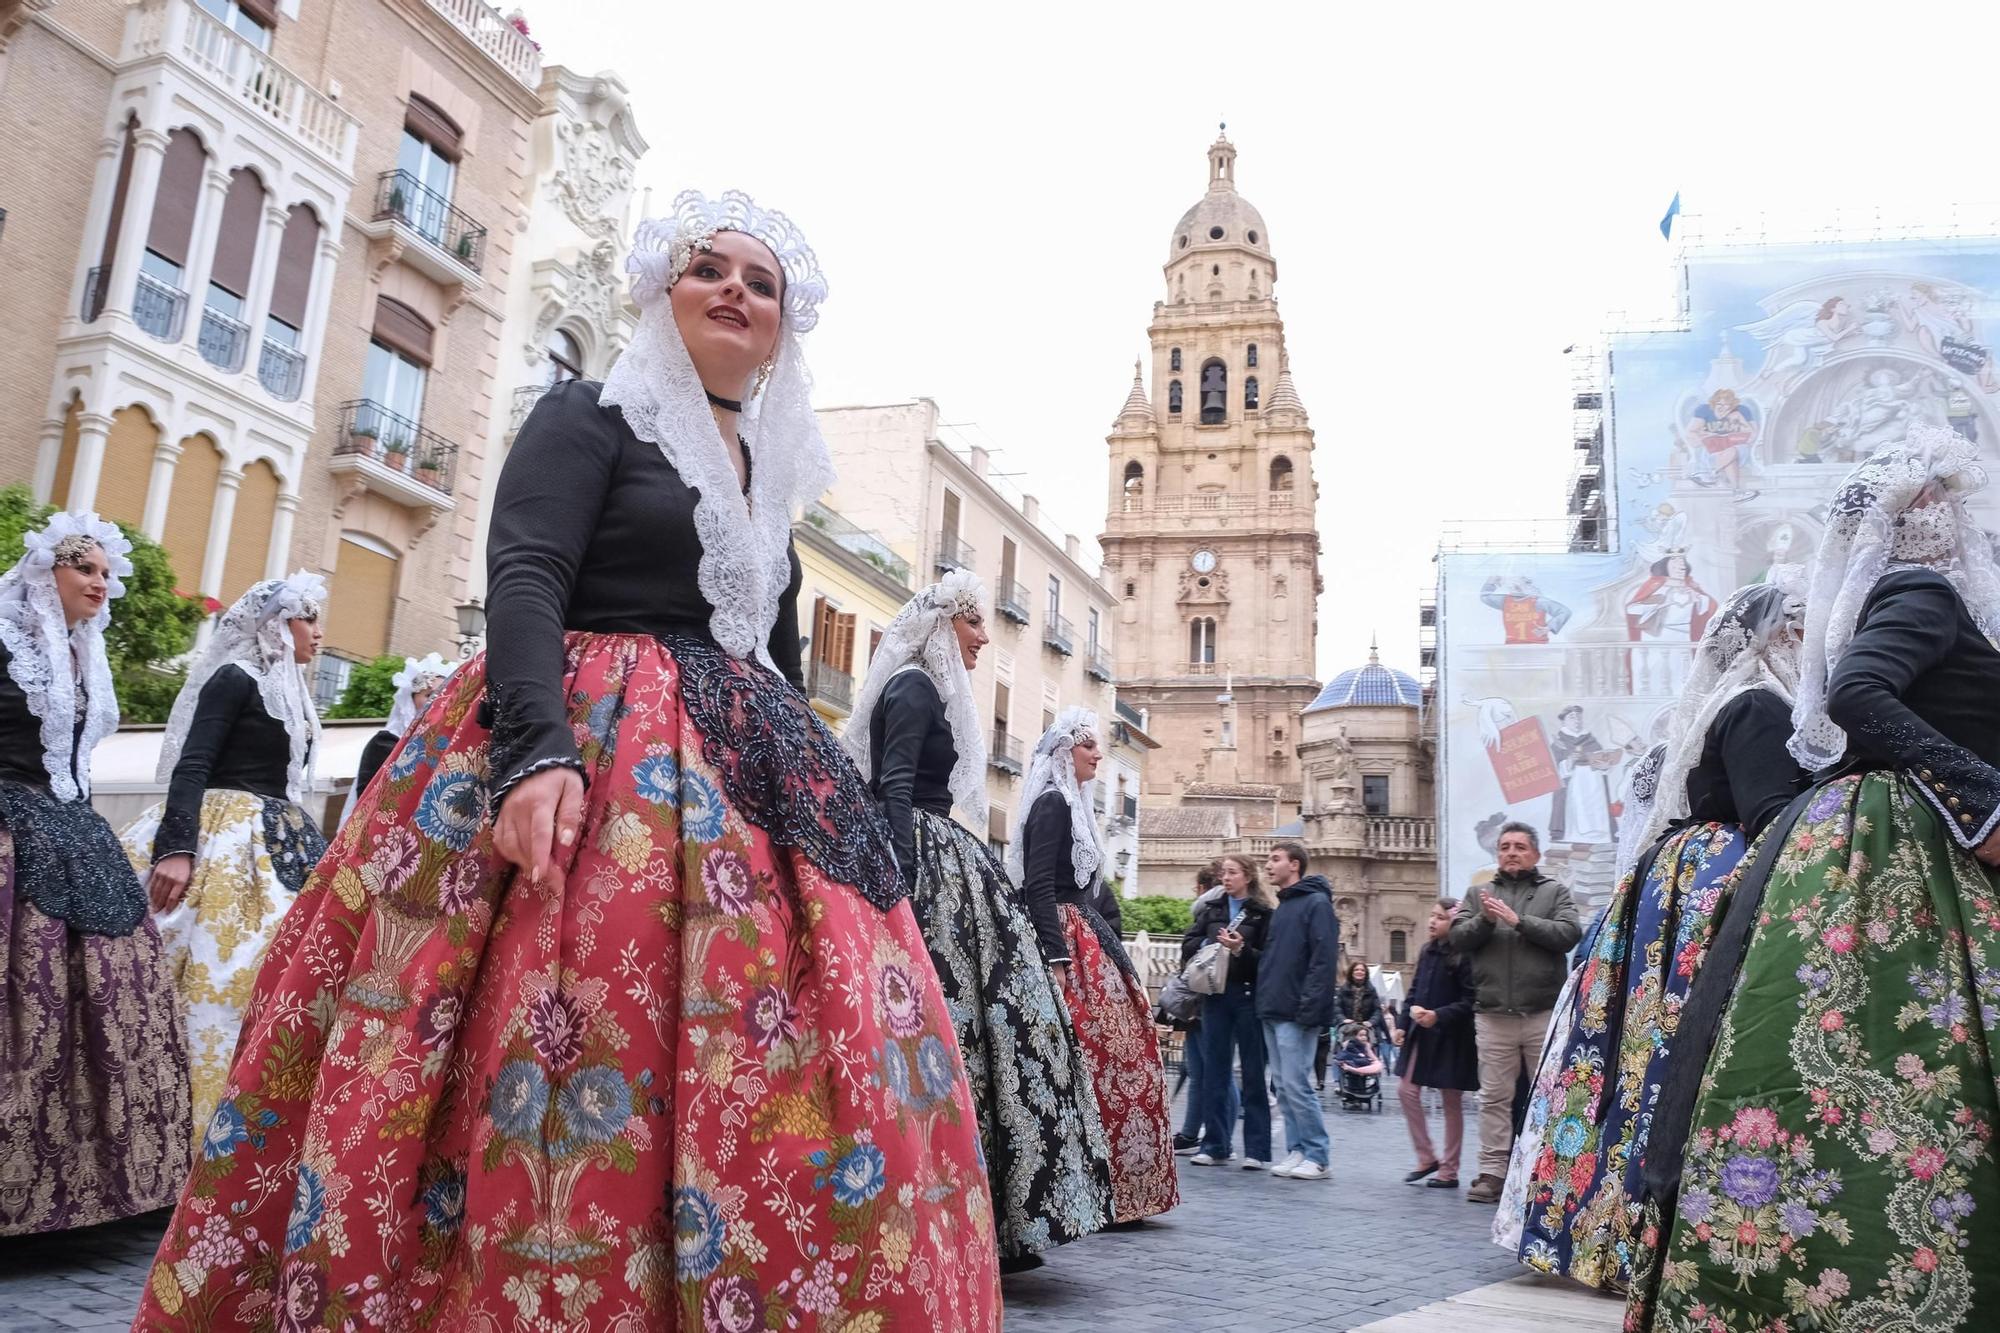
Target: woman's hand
[[1989, 851], [1229, 940], [539, 821], [167, 883]]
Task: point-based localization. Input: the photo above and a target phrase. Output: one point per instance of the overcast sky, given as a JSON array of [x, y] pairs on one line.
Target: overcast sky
[[1454, 192]]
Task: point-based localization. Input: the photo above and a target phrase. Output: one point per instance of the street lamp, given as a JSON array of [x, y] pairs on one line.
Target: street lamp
[[471, 626]]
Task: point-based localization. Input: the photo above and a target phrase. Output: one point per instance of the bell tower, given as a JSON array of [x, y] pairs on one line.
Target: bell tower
[[1210, 544]]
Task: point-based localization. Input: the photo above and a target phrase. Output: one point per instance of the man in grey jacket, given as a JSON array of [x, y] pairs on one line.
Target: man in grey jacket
[[1518, 931]]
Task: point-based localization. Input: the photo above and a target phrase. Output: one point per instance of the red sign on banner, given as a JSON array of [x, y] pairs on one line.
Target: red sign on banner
[[1523, 763]]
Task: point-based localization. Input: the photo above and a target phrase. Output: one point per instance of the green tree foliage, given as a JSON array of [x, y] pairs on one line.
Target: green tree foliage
[[371, 690], [1156, 914], [151, 625]]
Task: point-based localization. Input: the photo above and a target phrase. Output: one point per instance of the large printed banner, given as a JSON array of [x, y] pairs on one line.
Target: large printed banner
[[1723, 445]]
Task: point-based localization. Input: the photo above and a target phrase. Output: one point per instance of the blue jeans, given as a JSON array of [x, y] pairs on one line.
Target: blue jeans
[[1194, 1057], [1291, 1048], [1229, 1025]]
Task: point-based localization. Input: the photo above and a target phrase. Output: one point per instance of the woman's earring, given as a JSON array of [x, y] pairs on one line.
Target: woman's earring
[[763, 378]]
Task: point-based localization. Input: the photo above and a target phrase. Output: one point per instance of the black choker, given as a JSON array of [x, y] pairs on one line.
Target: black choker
[[727, 404]]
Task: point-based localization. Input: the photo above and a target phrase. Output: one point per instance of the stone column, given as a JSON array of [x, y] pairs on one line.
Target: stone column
[[160, 488], [281, 535], [319, 300], [102, 191], [264, 271], [48, 456], [149, 154], [201, 243], [93, 431], [214, 560]]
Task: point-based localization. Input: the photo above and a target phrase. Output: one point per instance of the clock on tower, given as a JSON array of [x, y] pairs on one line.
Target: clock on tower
[[1203, 561]]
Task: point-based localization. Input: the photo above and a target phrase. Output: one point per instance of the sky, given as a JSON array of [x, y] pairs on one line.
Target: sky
[[1455, 194]]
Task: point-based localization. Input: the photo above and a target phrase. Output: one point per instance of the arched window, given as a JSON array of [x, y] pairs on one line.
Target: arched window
[[1214, 393], [1399, 946], [1174, 360], [1250, 394], [1250, 359], [1201, 641], [565, 357], [1281, 473], [1135, 485], [1174, 398]]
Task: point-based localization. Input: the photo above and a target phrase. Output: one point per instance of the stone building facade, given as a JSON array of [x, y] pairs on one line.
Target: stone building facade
[[851, 585]]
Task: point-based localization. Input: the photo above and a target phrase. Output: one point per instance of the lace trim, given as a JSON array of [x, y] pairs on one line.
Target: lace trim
[[921, 638], [1053, 768], [783, 771], [40, 649]]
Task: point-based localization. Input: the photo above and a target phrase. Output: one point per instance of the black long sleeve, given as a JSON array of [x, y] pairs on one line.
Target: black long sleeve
[[784, 642], [1046, 872], [1749, 736], [375, 754], [1910, 629], [223, 699], [911, 713], [1106, 904]]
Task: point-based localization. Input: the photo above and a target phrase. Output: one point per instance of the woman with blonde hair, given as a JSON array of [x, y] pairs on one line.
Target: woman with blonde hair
[[1237, 919]]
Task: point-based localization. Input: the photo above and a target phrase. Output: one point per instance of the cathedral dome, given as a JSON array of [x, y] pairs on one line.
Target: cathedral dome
[[1371, 685], [1222, 216]]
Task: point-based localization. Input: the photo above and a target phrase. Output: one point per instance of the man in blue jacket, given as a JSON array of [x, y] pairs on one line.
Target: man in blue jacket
[[1295, 1000]]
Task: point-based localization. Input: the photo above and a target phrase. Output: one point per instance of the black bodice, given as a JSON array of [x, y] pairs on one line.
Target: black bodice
[[233, 744], [1918, 689], [1745, 775], [593, 529], [21, 753], [911, 754]]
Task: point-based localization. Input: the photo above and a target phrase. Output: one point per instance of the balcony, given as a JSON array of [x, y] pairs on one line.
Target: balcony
[[397, 458], [281, 370], [952, 553], [1004, 752], [525, 399], [159, 308], [182, 32], [858, 541], [1402, 835], [450, 247], [507, 45], [830, 686], [1203, 669], [1058, 634], [224, 341], [1098, 663], [1011, 601]]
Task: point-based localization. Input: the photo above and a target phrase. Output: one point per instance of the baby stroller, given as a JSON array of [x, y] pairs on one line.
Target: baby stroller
[[1362, 1090]]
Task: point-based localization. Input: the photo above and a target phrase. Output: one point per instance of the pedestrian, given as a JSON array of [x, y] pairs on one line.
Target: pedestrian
[[1357, 1001], [1237, 917], [227, 852], [1187, 1140], [93, 1076], [608, 1007], [1518, 930], [1438, 1050], [1295, 985], [915, 734], [416, 685], [1834, 1068], [1057, 852]]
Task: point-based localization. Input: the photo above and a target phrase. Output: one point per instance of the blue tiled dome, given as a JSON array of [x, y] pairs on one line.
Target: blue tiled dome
[[1370, 686]]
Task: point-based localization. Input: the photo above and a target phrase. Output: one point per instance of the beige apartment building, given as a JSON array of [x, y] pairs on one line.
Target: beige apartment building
[[940, 508], [256, 250]]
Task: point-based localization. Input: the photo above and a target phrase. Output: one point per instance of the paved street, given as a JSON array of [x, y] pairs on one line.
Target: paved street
[[1244, 1252]]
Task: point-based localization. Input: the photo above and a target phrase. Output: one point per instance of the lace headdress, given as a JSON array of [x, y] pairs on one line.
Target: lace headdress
[[921, 638], [425, 673], [1876, 524], [1053, 768], [42, 645], [1751, 645], [255, 634], [745, 547]]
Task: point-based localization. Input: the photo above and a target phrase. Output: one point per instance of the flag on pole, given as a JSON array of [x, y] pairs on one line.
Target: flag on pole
[[1667, 222]]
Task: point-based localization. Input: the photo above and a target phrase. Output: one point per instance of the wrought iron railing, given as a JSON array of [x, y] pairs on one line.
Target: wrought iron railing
[[1098, 663], [399, 195], [223, 339], [1011, 601], [159, 308], [370, 430], [1058, 633], [330, 676], [281, 370], [1004, 752], [94, 284], [952, 553], [830, 685]]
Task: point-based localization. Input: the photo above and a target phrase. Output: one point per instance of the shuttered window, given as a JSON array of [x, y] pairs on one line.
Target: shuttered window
[[173, 206], [293, 284], [189, 506], [250, 530], [128, 466], [428, 121], [360, 597], [403, 329], [832, 637], [236, 240]]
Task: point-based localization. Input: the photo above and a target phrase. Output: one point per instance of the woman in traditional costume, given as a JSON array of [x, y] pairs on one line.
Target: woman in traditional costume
[[1724, 775], [1833, 1161], [915, 732], [1057, 856], [93, 1076], [415, 684], [226, 854], [606, 1010]]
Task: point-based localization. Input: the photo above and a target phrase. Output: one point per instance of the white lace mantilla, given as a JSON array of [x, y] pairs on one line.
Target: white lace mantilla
[[1053, 768], [921, 638]]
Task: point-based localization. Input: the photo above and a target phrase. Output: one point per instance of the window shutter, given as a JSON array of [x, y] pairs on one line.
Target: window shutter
[[822, 630], [236, 239], [403, 329], [295, 265], [264, 11], [173, 205], [427, 120], [843, 643], [996, 824], [361, 595]]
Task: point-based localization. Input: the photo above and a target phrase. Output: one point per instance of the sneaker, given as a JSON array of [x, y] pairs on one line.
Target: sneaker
[[1486, 1189], [1420, 1173], [1186, 1145], [1285, 1167], [1252, 1164], [1307, 1171], [1207, 1159]]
